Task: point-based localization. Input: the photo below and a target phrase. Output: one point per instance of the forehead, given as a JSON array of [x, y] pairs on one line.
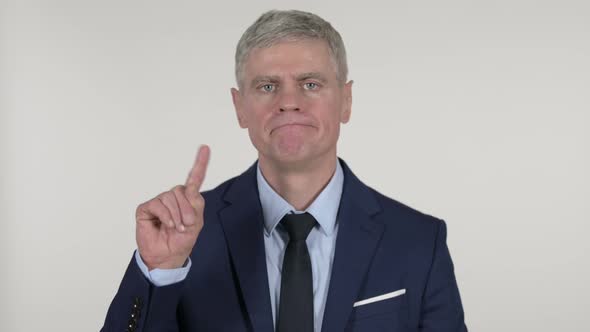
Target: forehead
[[290, 58]]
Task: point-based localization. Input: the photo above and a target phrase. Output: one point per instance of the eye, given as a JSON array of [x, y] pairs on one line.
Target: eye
[[268, 87], [310, 86]]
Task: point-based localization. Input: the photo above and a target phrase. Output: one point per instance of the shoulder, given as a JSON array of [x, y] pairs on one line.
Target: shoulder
[[387, 210], [403, 221], [404, 212]]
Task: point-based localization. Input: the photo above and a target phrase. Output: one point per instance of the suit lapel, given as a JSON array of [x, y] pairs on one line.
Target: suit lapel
[[242, 223], [357, 239]]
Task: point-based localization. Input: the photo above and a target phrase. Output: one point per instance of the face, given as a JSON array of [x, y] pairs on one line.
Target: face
[[292, 103]]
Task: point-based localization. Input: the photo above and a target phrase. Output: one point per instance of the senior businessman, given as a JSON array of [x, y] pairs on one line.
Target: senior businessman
[[296, 243]]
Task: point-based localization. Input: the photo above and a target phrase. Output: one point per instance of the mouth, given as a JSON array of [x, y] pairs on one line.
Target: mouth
[[289, 125]]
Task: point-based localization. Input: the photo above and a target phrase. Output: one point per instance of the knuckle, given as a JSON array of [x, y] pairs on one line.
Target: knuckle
[[141, 207], [160, 206], [169, 200], [167, 195], [179, 189], [138, 210], [149, 205]]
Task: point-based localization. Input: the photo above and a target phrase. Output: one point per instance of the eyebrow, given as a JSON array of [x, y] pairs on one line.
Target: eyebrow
[[300, 77], [264, 79], [311, 75]]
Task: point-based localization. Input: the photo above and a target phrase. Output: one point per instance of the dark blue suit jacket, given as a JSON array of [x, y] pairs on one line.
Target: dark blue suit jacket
[[382, 246]]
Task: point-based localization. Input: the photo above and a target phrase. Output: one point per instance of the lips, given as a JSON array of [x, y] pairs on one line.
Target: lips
[[288, 125]]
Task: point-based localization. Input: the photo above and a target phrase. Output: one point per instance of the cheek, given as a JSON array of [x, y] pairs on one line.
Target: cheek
[[330, 115], [258, 100], [257, 117]]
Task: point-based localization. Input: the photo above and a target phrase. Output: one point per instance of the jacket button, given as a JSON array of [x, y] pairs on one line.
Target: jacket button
[[132, 324]]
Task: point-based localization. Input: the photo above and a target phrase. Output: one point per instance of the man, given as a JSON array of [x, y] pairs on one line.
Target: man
[[297, 242]]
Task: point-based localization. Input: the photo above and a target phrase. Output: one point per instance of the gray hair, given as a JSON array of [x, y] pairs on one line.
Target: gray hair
[[276, 26]]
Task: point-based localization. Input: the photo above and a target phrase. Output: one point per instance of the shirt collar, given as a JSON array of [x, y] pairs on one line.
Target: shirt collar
[[324, 208]]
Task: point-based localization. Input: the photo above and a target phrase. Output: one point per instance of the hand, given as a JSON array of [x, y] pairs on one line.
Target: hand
[[168, 225]]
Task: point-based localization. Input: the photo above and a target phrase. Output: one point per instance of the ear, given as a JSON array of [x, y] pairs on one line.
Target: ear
[[347, 104], [237, 99]]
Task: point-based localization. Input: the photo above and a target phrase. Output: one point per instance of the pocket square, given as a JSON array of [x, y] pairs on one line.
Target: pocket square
[[380, 297]]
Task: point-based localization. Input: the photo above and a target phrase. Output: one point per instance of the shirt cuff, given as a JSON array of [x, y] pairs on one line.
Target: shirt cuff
[[163, 277]]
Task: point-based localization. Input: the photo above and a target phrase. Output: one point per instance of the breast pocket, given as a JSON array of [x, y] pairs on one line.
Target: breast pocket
[[384, 312]]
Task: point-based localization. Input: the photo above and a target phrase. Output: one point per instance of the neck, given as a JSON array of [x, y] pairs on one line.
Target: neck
[[299, 185]]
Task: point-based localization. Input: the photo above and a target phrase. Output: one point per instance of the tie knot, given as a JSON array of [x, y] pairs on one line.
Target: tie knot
[[298, 225]]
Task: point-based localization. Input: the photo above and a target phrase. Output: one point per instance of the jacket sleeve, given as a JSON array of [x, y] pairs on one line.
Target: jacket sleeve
[[140, 306], [442, 310], [161, 277]]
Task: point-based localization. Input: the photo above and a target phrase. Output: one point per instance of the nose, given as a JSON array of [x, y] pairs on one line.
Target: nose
[[289, 99]]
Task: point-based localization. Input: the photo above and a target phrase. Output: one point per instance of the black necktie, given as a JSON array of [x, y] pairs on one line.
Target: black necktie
[[296, 301]]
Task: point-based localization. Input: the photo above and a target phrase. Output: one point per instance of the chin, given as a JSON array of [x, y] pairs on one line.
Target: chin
[[290, 158]]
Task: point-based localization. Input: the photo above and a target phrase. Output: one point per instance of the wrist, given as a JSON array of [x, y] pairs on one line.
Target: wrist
[[169, 264]]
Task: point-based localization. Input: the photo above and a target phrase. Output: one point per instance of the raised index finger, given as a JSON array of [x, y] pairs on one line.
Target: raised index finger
[[197, 173]]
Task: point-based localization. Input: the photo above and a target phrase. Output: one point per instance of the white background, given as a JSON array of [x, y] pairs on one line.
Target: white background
[[477, 112]]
